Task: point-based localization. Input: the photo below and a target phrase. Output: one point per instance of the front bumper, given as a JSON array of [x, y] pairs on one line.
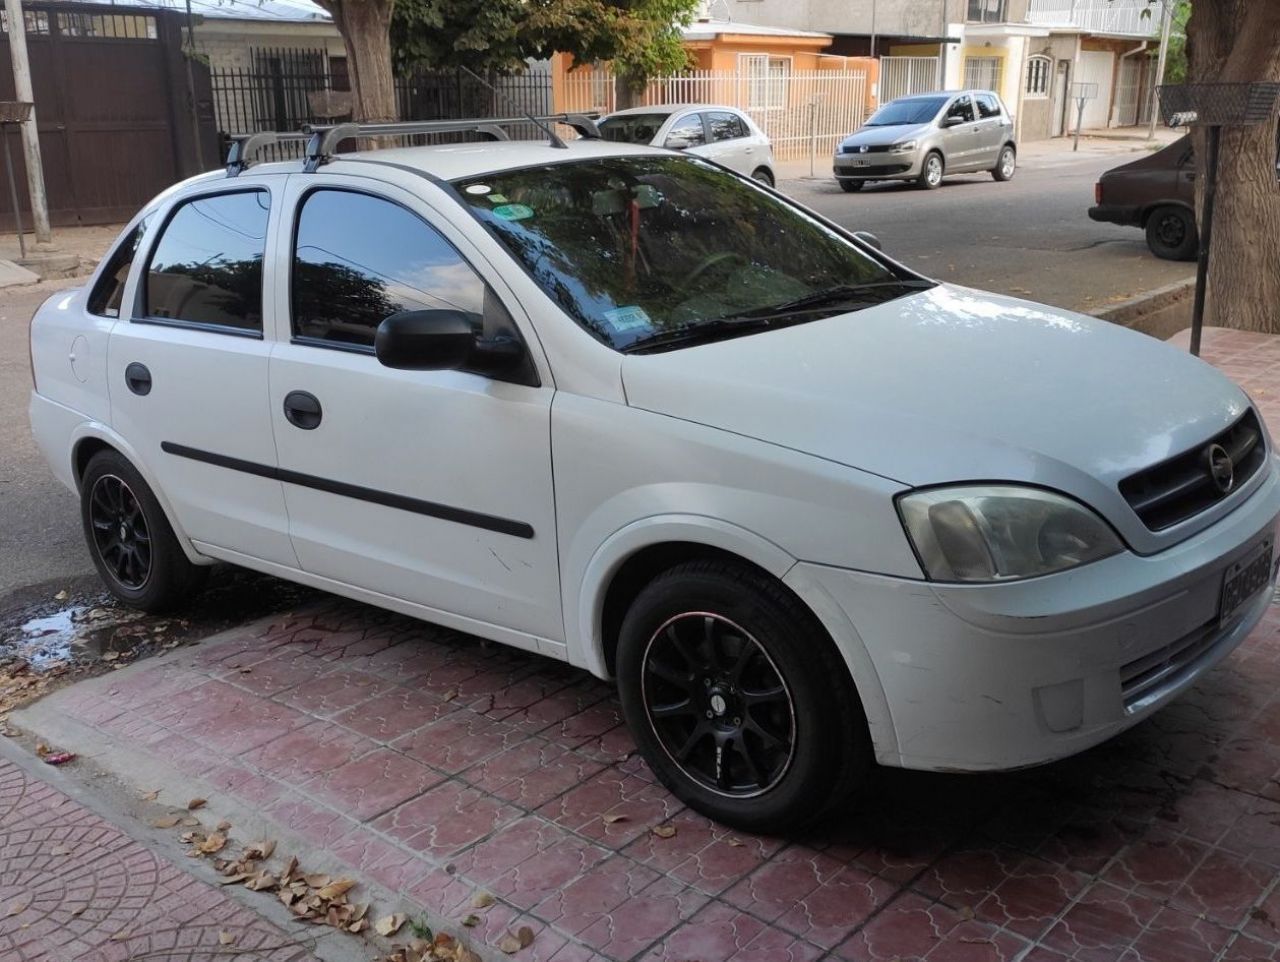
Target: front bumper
[[978, 677], [876, 166]]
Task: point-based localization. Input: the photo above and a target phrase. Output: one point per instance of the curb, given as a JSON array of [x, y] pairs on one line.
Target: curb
[[1160, 313]]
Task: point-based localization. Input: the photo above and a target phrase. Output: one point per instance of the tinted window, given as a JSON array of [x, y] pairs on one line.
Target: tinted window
[[207, 265], [632, 128], [634, 246], [962, 109], [726, 126], [686, 132], [104, 299], [917, 110], [359, 259], [987, 106]]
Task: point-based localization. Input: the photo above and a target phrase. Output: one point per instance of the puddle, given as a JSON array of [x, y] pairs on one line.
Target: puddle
[[44, 642]]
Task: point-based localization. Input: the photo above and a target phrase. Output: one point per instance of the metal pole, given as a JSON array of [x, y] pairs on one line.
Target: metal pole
[[872, 51], [188, 54], [1206, 235], [13, 190], [1079, 121], [30, 135], [813, 134], [1166, 24]]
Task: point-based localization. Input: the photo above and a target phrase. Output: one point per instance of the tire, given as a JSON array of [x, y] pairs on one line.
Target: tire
[[1006, 164], [932, 171], [763, 176], [851, 186], [130, 540], [762, 728], [1171, 233]]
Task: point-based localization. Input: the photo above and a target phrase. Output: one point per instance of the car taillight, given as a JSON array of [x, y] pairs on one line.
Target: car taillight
[[1097, 192]]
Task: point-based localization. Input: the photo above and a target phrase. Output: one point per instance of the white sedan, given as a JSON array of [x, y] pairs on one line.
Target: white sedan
[[723, 134], [627, 409]]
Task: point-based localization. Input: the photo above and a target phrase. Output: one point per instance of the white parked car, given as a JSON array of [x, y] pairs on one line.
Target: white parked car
[[723, 134], [623, 408]]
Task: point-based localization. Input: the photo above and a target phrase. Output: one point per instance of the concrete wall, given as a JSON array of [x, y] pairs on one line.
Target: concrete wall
[[909, 18], [228, 43]]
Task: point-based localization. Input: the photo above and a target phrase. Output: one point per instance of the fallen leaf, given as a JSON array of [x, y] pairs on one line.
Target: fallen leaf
[[471, 921], [260, 850], [19, 906], [966, 912], [234, 879], [316, 881], [223, 825], [451, 694], [525, 935], [195, 803], [121, 935], [611, 819], [261, 881], [151, 796], [735, 842], [389, 925], [359, 925], [512, 943], [190, 820], [166, 821], [664, 831], [336, 888], [226, 938], [465, 954], [60, 850], [213, 843], [61, 595], [110, 655], [481, 900]]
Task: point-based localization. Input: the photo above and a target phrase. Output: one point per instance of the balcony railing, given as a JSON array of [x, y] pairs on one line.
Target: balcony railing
[[1125, 18]]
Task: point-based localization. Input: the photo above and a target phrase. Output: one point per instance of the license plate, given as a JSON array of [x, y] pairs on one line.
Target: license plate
[[1244, 580], [859, 162]]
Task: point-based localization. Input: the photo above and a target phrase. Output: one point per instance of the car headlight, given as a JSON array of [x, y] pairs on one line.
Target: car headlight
[[999, 532], [903, 147]]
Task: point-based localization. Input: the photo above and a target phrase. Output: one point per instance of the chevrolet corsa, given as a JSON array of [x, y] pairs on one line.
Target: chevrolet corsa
[[627, 409]]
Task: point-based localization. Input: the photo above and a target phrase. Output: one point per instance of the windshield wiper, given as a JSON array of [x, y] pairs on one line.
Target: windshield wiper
[[840, 293]]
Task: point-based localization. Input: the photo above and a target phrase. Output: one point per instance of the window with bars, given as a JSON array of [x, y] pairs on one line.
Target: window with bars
[[987, 11], [983, 73], [107, 26], [1038, 69], [766, 80], [37, 22]]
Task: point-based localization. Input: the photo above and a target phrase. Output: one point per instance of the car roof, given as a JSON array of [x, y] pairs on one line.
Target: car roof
[[946, 93], [669, 109], [453, 161]]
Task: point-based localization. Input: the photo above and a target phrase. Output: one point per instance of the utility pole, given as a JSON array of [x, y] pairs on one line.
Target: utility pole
[[872, 51], [30, 137], [1166, 25]]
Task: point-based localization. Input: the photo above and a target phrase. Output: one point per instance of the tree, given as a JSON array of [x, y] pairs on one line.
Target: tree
[[365, 26], [641, 37]]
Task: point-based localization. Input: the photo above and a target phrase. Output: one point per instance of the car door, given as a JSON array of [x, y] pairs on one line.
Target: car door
[[188, 371], [432, 487], [993, 129], [729, 142], [959, 141]]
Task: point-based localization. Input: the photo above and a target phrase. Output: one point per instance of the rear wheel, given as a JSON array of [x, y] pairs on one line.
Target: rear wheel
[[130, 540], [1006, 165], [738, 699], [931, 172], [851, 186], [762, 174], [1171, 233]]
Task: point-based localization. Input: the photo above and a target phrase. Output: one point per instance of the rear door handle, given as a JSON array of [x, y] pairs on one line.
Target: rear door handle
[[138, 379], [303, 410]]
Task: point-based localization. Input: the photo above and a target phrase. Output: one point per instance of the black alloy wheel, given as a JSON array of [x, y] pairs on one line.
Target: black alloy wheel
[[120, 533]]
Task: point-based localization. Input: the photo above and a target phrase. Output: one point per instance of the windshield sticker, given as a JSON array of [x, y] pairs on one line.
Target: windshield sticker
[[626, 319], [477, 189], [513, 212]]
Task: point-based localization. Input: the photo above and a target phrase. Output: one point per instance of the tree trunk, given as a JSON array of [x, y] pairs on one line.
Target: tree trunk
[[628, 90], [365, 26], [1238, 41]]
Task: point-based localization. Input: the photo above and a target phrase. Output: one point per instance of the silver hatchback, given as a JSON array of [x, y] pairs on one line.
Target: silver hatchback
[[925, 137]]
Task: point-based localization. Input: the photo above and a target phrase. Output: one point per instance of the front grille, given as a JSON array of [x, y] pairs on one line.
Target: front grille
[[881, 170], [1147, 679], [869, 149], [1183, 486]]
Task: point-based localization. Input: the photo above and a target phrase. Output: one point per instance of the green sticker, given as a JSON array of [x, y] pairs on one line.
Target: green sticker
[[497, 198], [513, 212]]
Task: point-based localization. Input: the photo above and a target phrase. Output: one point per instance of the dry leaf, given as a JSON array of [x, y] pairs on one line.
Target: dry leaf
[[151, 796], [190, 820], [261, 881], [60, 850], [451, 694], [316, 881], [234, 879], [42, 749], [481, 900], [195, 803], [664, 831], [610, 819], [19, 906], [226, 938], [336, 888], [389, 925], [260, 850], [121, 935], [359, 925], [471, 921], [166, 821], [110, 655], [735, 842], [223, 825], [525, 935], [61, 595], [213, 843], [509, 944], [465, 954]]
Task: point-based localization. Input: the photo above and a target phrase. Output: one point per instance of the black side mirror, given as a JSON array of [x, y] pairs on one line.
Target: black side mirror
[[868, 238], [425, 340]]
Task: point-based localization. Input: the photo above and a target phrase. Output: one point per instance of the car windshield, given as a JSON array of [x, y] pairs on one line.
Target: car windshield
[[673, 250], [917, 110], [632, 128]]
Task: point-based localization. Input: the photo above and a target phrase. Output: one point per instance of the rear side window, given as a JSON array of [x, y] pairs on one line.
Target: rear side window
[[987, 106], [207, 265], [105, 298], [726, 126], [359, 259]]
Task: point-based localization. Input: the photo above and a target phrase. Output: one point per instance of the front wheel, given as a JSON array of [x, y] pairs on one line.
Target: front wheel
[[130, 540], [738, 699], [1006, 166], [931, 172], [851, 186], [762, 175]]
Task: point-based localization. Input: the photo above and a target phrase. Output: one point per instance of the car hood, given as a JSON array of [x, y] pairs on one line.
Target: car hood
[[878, 136], [952, 384]]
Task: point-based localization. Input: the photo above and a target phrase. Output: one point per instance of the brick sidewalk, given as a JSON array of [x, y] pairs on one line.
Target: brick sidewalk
[[437, 765]]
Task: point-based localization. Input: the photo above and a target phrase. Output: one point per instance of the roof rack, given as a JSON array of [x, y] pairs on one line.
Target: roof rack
[[245, 147], [324, 140]]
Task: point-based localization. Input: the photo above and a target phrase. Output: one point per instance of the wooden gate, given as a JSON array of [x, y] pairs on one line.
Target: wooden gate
[[113, 110]]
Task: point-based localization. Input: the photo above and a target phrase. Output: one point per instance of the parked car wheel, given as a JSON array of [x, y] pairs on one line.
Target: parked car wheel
[[738, 699], [1007, 165], [762, 174], [931, 172], [1171, 233], [130, 539], [851, 186]]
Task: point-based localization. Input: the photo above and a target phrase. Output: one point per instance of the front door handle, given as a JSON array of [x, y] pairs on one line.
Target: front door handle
[[303, 410], [138, 379]]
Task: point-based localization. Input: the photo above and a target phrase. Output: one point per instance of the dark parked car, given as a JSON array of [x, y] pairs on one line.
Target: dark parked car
[[1158, 194]]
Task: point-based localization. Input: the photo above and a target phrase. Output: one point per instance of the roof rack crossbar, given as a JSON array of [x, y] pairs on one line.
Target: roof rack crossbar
[[324, 140], [245, 147]]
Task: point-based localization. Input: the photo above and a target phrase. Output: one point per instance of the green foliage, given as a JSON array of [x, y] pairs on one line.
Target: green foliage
[[1175, 68], [642, 37]]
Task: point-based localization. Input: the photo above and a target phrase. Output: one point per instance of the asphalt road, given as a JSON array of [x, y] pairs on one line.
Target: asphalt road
[[1029, 237]]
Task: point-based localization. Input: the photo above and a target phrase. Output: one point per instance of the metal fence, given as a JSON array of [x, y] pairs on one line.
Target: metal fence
[[904, 76], [801, 112]]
